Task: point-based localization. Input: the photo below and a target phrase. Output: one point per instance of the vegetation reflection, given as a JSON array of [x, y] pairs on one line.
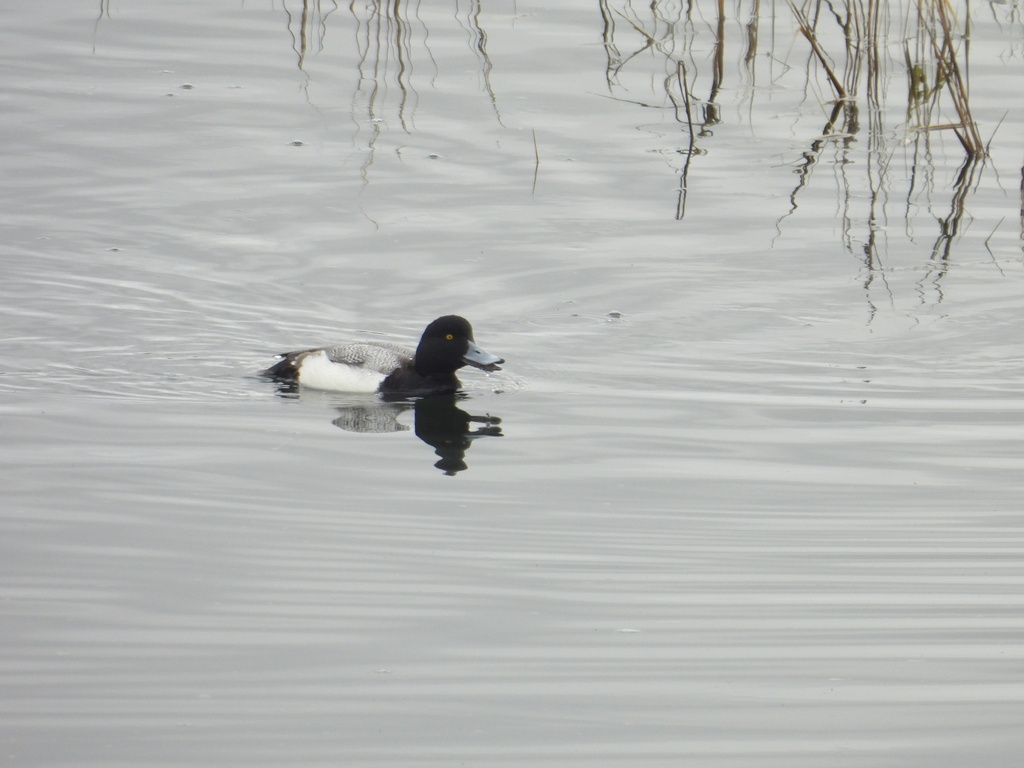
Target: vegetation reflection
[[935, 58], [850, 59], [855, 55]]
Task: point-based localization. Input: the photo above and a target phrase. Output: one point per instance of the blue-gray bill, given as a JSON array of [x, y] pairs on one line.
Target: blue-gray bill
[[481, 359]]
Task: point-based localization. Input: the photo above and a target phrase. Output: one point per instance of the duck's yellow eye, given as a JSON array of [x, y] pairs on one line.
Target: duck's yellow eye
[[449, 337]]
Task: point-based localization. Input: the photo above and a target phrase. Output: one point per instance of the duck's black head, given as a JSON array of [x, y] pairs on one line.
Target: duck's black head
[[447, 345]]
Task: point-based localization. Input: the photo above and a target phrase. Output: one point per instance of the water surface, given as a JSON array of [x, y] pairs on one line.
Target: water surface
[[748, 490]]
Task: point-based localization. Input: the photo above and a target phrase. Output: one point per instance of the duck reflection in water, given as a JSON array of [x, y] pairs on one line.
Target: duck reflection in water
[[438, 420]]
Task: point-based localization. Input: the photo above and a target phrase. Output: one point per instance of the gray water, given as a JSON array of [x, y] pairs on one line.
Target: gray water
[[747, 492]]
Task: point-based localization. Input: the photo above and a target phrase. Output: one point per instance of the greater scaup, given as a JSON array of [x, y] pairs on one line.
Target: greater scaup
[[379, 366]]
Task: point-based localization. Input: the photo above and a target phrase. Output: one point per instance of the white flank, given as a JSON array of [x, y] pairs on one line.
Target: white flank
[[318, 372]]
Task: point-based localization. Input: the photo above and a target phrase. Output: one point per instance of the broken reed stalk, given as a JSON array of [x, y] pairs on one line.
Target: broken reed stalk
[[949, 72], [641, 30], [807, 32], [536, 159], [838, 86], [684, 91]]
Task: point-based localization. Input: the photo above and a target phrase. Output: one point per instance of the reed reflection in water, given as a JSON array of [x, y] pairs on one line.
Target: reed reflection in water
[[393, 42], [888, 83], [689, 43]]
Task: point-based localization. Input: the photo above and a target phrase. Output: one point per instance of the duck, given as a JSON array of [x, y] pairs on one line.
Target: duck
[[387, 368]]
